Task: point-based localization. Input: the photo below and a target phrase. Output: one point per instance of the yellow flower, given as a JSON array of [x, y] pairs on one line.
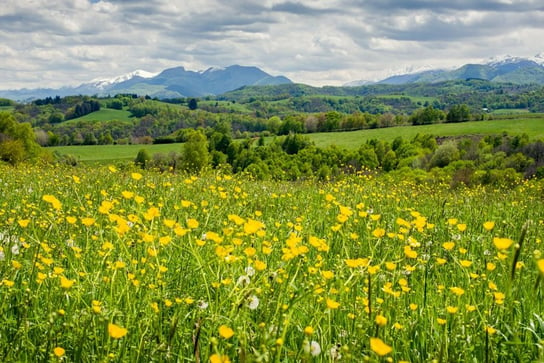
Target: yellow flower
[[378, 232], [66, 283], [379, 347], [448, 246], [71, 220], [452, 309], [152, 213], [457, 291], [540, 264], [502, 243], [59, 351], [308, 330], [356, 262], [127, 195], [499, 297], [252, 226], [192, 223], [225, 332], [105, 207], [53, 201], [409, 252], [441, 261], [490, 266], [116, 331], [136, 176], [8, 283], [216, 358], [489, 225], [490, 330], [461, 227], [380, 320], [331, 304], [441, 321], [452, 221], [23, 222], [413, 306], [259, 265], [88, 221], [465, 263], [390, 266]]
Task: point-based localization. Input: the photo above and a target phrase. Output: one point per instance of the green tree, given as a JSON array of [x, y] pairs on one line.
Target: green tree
[[143, 158], [426, 116], [17, 140], [445, 154], [193, 104], [195, 155], [458, 113]]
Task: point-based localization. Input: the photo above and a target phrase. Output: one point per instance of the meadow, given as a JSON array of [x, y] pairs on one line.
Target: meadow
[[115, 264]]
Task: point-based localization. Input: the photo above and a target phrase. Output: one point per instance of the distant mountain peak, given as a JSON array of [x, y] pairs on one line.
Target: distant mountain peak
[[103, 83], [503, 59]]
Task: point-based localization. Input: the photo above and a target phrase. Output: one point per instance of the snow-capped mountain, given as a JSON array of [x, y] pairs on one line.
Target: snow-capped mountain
[[504, 68], [102, 83]]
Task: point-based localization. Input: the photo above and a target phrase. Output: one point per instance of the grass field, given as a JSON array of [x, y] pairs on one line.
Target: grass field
[[534, 127], [104, 114], [106, 153], [123, 265]]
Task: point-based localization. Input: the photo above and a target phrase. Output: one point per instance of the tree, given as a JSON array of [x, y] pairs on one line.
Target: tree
[[426, 116], [445, 154], [17, 140], [195, 155], [142, 158], [193, 104], [458, 113]]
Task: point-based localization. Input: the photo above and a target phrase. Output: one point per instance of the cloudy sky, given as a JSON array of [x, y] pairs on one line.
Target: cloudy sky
[[319, 42]]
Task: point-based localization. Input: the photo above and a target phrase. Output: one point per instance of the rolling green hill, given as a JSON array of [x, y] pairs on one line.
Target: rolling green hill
[[105, 114]]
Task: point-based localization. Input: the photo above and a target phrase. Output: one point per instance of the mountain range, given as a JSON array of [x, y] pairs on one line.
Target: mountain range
[[170, 83], [179, 82], [506, 69]]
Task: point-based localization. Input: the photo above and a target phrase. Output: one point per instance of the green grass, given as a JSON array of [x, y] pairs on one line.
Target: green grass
[[510, 111], [105, 114], [533, 127], [109, 153], [231, 106]]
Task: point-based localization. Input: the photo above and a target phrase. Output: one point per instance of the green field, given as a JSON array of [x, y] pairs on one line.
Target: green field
[[105, 114], [104, 153], [533, 127]]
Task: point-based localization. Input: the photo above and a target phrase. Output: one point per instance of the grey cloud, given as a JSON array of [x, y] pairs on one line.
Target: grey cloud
[[392, 6]]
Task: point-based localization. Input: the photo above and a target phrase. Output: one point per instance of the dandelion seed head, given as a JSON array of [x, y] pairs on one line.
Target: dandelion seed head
[[250, 271], [253, 302]]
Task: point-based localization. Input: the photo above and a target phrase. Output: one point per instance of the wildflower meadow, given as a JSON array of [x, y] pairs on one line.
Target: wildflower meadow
[[113, 264]]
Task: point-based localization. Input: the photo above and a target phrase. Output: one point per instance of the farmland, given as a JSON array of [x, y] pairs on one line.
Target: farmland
[[117, 264]]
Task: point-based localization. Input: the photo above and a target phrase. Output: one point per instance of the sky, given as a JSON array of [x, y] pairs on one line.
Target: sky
[[54, 43]]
